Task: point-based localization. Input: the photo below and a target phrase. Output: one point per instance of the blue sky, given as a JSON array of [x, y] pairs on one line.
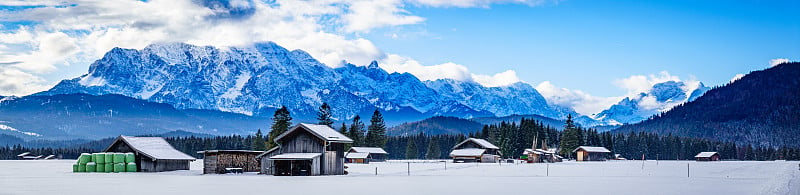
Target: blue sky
[[578, 53], [587, 45]]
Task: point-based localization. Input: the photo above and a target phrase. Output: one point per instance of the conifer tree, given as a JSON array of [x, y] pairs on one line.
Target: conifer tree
[[570, 138], [376, 132], [357, 131], [281, 121], [433, 151], [258, 142], [411, 149], [325, 115]]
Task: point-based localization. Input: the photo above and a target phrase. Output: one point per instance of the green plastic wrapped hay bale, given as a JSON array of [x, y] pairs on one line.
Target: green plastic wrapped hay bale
[[129, 157], [101, 167], [119, 167], [119, 158], [91, 167], [75, 168], [81, 168], [109, 158], [99, 158], [84, 158], [131, 167], [109, 167]]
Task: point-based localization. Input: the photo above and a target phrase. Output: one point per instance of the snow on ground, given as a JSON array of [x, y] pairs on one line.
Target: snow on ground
[[427, 177]]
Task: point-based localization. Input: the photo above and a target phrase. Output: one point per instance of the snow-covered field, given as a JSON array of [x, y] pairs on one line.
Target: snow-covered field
[[611, 177]]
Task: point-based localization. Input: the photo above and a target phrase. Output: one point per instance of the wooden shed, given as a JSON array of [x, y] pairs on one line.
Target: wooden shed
[[475, 150], [365, 155], [222, 161], [591, 153], [153, 154], [304, 150], [707, 156]]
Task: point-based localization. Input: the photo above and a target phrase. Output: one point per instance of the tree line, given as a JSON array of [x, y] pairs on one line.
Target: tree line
[[511, 137]]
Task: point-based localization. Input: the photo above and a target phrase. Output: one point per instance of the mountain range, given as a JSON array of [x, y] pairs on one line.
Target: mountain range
[[257, 80], [761, 108], [250, 83], [660, 98]]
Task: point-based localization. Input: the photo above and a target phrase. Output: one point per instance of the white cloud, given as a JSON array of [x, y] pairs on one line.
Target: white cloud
[[500, 79], [775, 62], [736, 77], [449, 70], [79, 32], [582, 102], [15, 81], [368, 14], [476, 3]]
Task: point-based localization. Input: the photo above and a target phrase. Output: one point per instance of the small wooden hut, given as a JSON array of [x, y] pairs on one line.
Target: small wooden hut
[[707, 156], [475, 150], [591, 153], [153, 154], [539, 155], [365, 155], [223, 161], [304, 150]]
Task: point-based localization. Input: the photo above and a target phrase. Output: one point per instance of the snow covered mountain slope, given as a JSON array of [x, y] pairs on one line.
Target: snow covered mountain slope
[[257, 79], [661, 98]]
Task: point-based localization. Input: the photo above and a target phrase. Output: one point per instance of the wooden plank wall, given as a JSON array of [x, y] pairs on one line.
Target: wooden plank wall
[[301, 142]]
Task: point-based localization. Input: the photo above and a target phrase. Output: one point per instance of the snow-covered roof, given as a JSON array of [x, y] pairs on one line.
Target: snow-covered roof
[[24, 154], [356, 155], [153, 147], [705, 154], [322, 131], [467, 152], [295, 156], [483, 143], [591, 149], [370, 150], [528, 151]]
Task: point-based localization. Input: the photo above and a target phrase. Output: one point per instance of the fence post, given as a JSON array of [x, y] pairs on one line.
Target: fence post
[[548, 170], [376, 170], [687, 169], [445, 165], [409, 168]]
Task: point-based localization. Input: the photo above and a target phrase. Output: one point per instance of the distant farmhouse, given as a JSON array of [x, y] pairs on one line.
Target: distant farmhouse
[[230, 161], [707, 156], [152, 154], [591, 153], [365, 155], [306, 150], [544, 154], [28, 156], [475, 150]]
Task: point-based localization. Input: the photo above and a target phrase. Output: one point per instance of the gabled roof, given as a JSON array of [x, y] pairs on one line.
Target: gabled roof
[[592, 149], [481, 142], [24, 154], [467, 152], [229, 151], [273, 149], [321, 131], [370, 150], [356, 155], [154, 147], [705, 154]]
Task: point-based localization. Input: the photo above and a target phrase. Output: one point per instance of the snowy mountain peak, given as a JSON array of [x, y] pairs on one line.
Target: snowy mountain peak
[[373, 65], [661, 97]]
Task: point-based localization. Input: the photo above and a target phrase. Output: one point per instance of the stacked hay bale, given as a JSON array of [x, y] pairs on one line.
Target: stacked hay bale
[[105, 163]]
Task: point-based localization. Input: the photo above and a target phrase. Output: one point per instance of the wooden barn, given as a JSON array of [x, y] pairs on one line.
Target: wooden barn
[[225, 161], [305, 150], [591, 153], [365, 155], [153, 154], [475, 150], [707, 156], [543, 154]]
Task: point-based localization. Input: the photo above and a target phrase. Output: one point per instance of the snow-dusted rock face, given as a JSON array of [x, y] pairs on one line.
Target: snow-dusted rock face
[[258, 79], [518, 98], [662, 97]]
